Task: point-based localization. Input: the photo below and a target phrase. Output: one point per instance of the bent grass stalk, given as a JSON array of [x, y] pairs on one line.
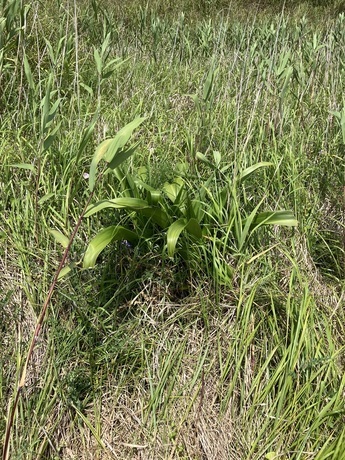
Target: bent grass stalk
[[37, 332]]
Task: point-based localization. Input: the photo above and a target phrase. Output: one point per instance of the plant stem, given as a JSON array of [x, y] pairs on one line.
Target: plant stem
[[37, 331]]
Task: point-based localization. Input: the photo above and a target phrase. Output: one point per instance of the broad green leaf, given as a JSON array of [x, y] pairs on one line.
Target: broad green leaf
[[142, 173], [67, 269], [48, 141], [217, 158], [285, 218], [194, 228], [197, 209], [200, 156], [247, 172], [175, 230], [335, 113], [182, 168], [154, 197], [60, 238], [195, 98], [133, 204], [117, 203], [157, 215], [271, 456], [103, 238], [172, 190]]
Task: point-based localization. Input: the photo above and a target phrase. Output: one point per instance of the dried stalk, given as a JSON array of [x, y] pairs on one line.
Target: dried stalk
[[35, 336]]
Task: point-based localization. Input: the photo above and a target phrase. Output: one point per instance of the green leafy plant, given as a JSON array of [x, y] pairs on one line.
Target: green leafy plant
[[185, 213]]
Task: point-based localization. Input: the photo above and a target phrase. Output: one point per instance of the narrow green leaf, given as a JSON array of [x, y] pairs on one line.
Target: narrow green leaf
[[257, 256], [50, 137], [105, 44], [93, 430], [247, 172], [122, 156], [117, 203], [114, 64], [23, 166], [45, 106], [87, 88], [200, 156], [60, 238], [247, 226], [98, 60], [108, 149], [46, 197], [28, 73], [283, 217], [67, 269], [208, 85], [52, 112], [122, 138], [98, 155], [86, 136], [103, 238], [50, 51]]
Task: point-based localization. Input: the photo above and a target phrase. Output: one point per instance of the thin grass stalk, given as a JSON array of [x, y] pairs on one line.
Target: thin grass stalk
[[343, 231], [76, 38], [38, 328]]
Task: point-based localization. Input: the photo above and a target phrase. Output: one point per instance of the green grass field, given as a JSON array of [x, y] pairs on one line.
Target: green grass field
[[200, 311]]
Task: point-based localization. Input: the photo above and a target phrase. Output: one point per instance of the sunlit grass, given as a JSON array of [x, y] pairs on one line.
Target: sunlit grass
[[237, 355]]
